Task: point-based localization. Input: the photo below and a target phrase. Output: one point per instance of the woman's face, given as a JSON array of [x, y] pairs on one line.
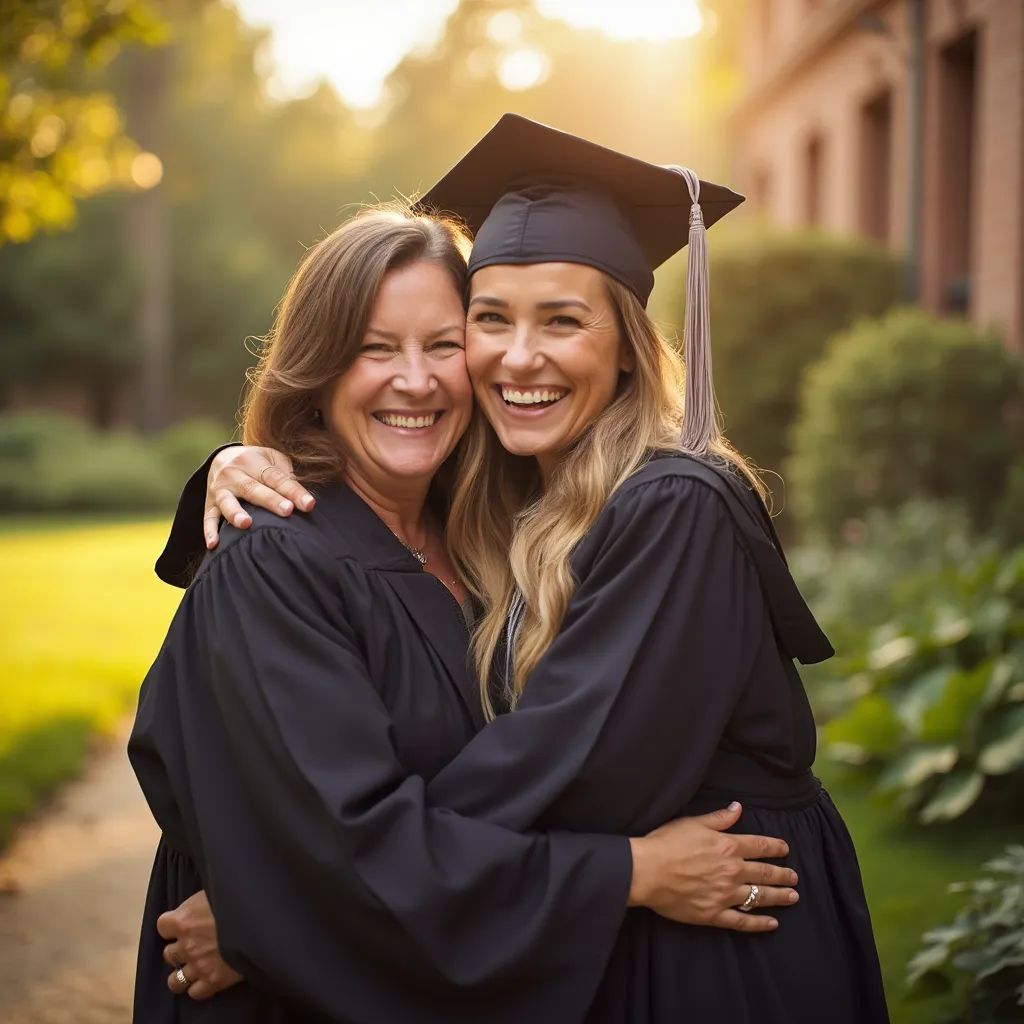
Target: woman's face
[[545, 352], [401, 407]]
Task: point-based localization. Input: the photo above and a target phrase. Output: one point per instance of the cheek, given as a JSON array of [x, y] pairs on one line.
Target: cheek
[[454, 378]]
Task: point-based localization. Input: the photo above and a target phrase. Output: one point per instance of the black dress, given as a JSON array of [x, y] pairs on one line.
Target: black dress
[[671, 690], [312, 678]]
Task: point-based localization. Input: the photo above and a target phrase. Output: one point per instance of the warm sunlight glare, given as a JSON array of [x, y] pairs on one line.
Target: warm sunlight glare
[[523, 69], [651, 20]]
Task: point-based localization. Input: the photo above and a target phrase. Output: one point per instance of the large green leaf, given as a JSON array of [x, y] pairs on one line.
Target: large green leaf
[[923, 693], [870, 725], [957, 709], [915, 766], [954, 795], [1005, 751]]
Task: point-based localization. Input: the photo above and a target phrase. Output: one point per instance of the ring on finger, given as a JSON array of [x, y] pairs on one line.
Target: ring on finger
[[182, 979], [262, 471], [752, 900]]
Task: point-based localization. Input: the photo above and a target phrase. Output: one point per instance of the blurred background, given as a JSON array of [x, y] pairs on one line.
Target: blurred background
[[164, 164]]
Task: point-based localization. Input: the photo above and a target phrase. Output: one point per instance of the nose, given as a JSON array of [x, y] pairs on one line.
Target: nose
[[521, 357], [414, 376]]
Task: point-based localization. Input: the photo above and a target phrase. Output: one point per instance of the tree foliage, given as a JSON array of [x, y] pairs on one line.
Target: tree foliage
[[61, 138]]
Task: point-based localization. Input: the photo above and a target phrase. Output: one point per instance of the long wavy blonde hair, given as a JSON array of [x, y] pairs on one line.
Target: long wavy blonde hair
[[513, 539]]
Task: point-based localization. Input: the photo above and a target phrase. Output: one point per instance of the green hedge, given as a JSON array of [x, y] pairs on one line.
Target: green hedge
[[54, 463], [776, 301], [902, 408]]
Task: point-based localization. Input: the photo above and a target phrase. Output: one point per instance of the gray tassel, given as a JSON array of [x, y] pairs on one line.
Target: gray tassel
[[700, 412]]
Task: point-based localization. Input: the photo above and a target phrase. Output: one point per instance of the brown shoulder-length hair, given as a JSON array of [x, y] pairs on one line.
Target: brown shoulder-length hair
[[320, 324]]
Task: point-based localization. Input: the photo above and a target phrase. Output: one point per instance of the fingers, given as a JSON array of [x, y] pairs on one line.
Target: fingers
[[737, 921], [723, 819], [174, 955], [174, 980], [760, 847], [211, 527], [283, 482], [201, 989], [767, 874], [768, 896], [168, 925]]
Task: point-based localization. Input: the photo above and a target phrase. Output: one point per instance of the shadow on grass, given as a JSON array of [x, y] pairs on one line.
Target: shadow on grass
[[36, 763]]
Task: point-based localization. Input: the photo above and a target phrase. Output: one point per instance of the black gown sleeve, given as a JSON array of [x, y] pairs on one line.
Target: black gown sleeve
[[658, 643], [185, 545], [316, 848]]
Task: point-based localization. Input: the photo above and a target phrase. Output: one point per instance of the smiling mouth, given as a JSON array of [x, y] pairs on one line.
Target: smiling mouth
[[408, 421], [532, 398]]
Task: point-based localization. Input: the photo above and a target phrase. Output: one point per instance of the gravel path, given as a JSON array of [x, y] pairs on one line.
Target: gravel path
[[71, 892]]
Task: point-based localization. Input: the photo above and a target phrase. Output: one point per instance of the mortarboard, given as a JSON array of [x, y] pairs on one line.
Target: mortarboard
[[533, 194]]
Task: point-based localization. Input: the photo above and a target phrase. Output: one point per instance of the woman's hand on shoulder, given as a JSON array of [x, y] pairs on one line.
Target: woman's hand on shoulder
[[191, 932], [262, 476], [693, 871]]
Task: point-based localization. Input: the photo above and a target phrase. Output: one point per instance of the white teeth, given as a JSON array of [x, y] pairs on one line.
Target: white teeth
[[530, 397], [411, 422]]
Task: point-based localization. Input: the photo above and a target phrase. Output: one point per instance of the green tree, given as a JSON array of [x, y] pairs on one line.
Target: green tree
[[62, 139]]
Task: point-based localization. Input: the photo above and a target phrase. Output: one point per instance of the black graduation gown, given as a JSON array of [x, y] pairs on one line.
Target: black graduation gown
[[671, 690], [313, 677]]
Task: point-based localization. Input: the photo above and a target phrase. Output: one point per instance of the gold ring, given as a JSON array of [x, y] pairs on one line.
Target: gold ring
[[751, 901]]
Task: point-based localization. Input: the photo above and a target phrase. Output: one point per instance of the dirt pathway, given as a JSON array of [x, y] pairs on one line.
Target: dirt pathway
[[71, 892]]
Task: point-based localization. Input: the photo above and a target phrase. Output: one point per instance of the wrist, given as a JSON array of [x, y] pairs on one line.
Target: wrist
[[641, 887]]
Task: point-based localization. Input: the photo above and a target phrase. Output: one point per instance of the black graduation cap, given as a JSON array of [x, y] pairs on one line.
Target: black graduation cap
[[533, 194]]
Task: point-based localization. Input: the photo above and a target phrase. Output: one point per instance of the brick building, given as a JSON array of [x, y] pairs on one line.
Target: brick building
[[901, 120]]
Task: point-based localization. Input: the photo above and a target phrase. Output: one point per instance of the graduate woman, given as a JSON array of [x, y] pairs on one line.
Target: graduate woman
[[638, 615], [315, 676]]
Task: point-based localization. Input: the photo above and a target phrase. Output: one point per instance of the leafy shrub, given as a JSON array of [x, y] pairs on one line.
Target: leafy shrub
[[902, 408], [775, 303], [185, 446], [940, 691], [984, 941], [53, 463], [1009, 515], [895, 563]]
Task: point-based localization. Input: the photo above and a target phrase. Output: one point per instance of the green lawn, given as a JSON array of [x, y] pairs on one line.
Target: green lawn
[[906, 869], [81, 618]]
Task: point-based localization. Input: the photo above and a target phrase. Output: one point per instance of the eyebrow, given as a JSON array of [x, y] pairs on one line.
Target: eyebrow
[[391, 336], [492, 300]]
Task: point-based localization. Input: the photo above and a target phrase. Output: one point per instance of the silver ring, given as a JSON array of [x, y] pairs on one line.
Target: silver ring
[[179, 977], [263, 470], [751, 901]]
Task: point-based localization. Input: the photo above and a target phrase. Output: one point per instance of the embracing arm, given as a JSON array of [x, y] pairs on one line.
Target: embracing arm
[[262, 476], [634, 694]]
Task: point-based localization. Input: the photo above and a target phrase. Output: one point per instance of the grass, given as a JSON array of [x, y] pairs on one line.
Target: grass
[[907, 869], [81, 618]]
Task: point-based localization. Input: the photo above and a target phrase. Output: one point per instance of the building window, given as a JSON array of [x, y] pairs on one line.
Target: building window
[[875, 179], [958, 147], [814, 166]]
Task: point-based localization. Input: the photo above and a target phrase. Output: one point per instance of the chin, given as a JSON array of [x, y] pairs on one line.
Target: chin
[[413, 468]]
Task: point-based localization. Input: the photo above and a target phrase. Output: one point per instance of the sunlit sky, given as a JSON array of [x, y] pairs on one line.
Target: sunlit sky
[[355, 44]]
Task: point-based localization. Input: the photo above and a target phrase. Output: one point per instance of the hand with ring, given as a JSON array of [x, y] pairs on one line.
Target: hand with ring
[[191, 933], [261, 476], [693, 871]]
